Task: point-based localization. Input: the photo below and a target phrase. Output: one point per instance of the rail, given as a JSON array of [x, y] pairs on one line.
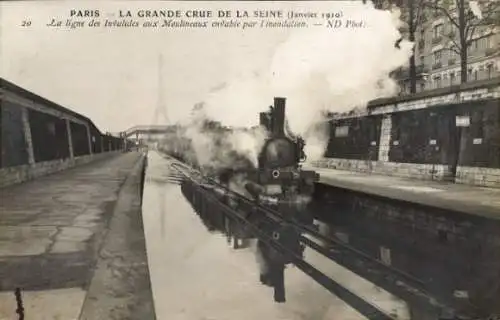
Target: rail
[[413, 286], [365, 308], [306, 229]]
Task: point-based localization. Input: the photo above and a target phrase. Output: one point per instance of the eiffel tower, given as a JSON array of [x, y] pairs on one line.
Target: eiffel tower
[[161, 108]]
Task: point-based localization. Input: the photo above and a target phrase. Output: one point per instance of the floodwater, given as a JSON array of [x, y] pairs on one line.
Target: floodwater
[[196, 275]]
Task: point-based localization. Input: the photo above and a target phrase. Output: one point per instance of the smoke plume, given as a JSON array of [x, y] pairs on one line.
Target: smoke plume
[[213, 146], [318, 70]]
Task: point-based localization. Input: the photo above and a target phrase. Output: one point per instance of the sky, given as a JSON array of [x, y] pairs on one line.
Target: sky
[[111, 75]]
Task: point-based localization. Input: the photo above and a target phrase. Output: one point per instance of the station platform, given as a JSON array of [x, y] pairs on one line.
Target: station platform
[[52, 230], [480, 201]]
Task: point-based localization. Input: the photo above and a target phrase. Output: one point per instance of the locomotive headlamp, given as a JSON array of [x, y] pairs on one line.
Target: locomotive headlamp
[[275, 174]]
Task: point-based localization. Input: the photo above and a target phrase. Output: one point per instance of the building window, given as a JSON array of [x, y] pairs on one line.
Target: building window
[[488, 42], [437, 80], [475, 74], [342, 131], [437, 31], [437, 56], [452, 58], [452, 78], [422, 86], [489, 70], [483, 43], [476, 45]]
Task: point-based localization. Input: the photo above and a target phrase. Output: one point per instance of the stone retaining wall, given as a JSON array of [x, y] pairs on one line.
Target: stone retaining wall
[[14, 175], [484, 177]]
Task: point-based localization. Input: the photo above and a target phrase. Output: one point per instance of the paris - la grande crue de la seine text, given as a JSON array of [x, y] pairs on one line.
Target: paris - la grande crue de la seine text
[[221, 18]]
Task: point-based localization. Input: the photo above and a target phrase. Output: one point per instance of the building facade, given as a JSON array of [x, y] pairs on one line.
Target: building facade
[[436, 59]]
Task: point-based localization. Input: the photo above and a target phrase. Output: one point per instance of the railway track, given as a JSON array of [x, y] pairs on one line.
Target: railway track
[[407, 286]]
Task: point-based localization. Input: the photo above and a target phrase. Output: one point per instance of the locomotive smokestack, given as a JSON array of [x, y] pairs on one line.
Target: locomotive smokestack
[[278, 117], [264, 119]]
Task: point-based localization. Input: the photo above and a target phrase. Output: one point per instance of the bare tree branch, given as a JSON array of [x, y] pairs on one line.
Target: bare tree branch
[[470, 27], [429, 4], [419, 15], [486, 20], [490, 14], [469, 36], [454, 49], [491, 9], [450, 37]]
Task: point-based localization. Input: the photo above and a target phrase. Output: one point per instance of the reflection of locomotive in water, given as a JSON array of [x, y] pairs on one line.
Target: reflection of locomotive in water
[[278, 182]]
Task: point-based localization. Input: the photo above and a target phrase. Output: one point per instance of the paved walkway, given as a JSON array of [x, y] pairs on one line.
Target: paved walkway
[[479, 201], [50, 232]]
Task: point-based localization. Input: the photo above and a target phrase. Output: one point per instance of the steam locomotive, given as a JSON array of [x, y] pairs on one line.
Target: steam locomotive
[[279, 178], [277, 181]]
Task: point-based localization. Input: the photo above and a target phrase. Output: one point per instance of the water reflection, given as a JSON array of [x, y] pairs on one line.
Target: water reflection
[[212, 216], [196, 275], [461, 274]]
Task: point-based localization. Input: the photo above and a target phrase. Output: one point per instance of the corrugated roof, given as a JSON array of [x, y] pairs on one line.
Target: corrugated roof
[[9, 86]]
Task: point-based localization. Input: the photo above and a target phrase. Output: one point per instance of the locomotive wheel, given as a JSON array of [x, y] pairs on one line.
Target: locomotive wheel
[[265, 279], [245, 243], [229, 226]]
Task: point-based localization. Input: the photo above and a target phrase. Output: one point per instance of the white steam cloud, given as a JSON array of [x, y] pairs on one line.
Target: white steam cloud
[[206, 143], [317, 69]]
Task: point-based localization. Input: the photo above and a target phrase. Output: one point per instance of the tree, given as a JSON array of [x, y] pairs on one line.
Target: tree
[[414, 20], [465, 16], [413, 13]]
